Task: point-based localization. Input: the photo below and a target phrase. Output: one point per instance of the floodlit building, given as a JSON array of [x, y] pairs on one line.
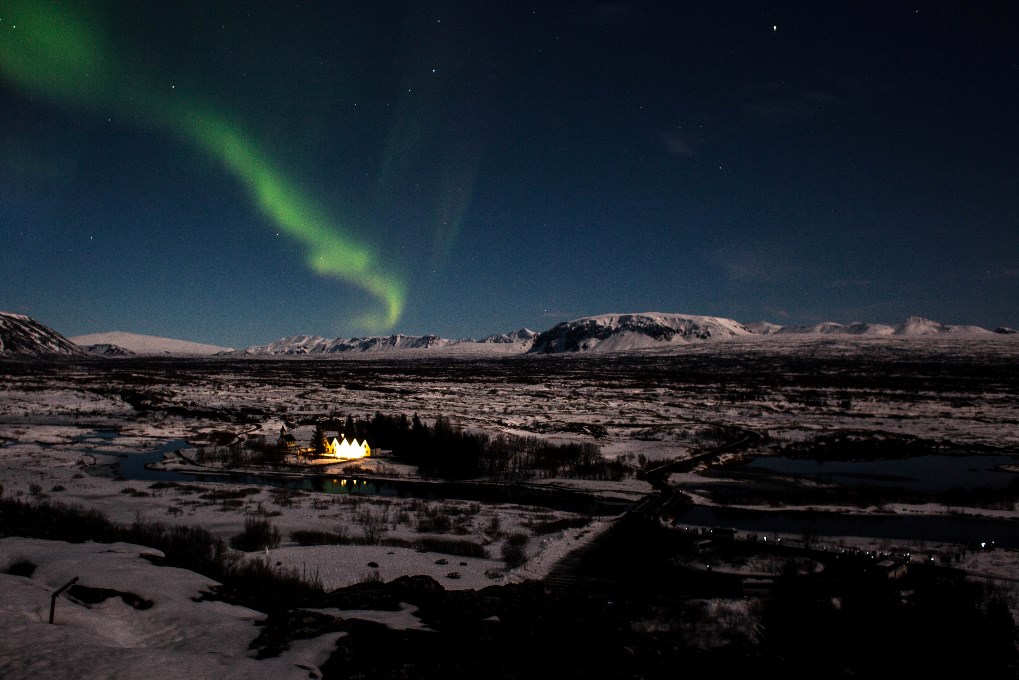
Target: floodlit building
[[341, 448]]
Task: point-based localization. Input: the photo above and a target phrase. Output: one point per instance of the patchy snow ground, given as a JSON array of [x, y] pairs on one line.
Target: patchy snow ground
[[176, 637], [53, 419], [56, 471], [404, 619]]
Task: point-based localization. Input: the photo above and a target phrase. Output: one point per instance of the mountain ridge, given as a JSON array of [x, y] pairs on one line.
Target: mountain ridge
[[23, 336], [608, 333]]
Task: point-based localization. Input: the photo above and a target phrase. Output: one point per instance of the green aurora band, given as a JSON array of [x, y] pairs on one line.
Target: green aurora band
[[48, 51]]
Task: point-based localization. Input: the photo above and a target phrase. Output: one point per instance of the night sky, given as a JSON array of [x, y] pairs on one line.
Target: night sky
[[233, 172]]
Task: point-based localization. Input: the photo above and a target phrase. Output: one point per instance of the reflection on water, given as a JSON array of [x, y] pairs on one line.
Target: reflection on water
[[945, 529], [348, 486]]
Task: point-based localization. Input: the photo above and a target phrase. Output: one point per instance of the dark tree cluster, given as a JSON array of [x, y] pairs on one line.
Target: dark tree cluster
[[445, 450], [941, 626]]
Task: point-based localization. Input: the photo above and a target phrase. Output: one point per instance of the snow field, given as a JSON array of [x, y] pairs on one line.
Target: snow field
[[177, 637]]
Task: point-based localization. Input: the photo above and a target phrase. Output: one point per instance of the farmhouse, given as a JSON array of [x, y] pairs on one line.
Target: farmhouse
[[286, 440]]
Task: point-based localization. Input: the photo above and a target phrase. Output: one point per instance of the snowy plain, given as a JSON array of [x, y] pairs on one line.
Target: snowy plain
[[60, 424]]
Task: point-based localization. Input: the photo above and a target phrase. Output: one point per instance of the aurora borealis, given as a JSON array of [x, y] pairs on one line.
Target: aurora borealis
[[55, 54], [233, 174]]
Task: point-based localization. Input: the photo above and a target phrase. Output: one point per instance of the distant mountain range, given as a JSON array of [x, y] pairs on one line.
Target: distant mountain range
[[912, 327], [606, 333], [316, 345], [21, 336]]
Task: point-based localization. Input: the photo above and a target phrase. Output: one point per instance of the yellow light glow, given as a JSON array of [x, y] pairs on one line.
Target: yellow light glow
[[345, 449]]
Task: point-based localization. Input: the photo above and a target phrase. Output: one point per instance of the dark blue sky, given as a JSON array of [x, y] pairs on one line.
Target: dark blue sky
[[509, 164]]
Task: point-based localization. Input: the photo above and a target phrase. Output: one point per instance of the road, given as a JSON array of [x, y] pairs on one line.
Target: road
[[652, 507], [637, 532]]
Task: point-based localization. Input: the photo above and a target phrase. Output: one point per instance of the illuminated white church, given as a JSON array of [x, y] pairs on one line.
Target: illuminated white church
[[337, 447], [344, 449]]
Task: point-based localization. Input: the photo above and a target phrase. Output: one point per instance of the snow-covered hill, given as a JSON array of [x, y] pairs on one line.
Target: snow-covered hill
[[915, 326], [832, 328], [621, 332], [762, 327], [105, 349], [21, 336], [150, 621], [524, 335], [149, 344]]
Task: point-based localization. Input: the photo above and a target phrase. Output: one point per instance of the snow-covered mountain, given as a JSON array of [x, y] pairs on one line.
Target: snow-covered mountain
[[832, 328], [317, 345], [620, 332], [105, 349], [21, 336], [149, 344], [916, 326], [762, 327], [524, 335]]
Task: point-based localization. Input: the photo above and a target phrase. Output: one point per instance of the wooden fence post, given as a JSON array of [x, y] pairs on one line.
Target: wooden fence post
[[53, 597]]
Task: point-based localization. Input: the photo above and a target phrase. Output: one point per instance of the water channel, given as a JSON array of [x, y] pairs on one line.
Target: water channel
[[933, 528], [133, 466], [919, 473]]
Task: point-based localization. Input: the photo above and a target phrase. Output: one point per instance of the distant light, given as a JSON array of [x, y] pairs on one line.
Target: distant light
[[774, 28]]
